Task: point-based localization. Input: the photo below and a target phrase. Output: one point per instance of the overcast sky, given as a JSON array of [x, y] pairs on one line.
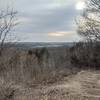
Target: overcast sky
[[45, 20]]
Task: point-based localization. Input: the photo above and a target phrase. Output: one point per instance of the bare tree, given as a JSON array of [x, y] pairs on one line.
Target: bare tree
[[7, 22], [89, 22]]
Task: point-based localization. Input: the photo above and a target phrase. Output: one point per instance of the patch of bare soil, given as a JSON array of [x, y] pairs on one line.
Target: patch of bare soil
[[83, 86]]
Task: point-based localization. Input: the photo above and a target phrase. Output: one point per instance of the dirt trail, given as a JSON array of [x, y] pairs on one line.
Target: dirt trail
[[83, 86]]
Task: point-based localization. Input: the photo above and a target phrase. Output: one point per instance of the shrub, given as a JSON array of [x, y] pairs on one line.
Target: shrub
[[86, 55], [6, 90]]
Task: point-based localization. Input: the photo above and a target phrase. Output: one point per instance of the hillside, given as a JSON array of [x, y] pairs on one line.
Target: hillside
[[84, 85], [45, 74]]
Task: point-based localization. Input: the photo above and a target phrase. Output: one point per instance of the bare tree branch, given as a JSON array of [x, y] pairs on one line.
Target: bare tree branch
[[89, 22], [7, 22]]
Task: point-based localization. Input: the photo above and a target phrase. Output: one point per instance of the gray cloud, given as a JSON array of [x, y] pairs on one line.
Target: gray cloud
[[61, 18], [40, 17]]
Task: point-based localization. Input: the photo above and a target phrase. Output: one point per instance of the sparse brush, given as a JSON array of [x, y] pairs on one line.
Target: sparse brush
[[86, 55], [6, 90]]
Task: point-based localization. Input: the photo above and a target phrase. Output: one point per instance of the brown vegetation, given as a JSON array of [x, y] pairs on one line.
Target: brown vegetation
[[48, 72], [86, 55]]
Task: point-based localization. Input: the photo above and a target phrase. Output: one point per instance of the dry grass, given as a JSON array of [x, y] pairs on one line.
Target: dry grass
[[34, 65], [83, 86], [25, 75], [6, 90]]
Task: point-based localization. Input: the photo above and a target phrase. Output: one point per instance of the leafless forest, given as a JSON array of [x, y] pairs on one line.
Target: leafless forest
[[52, 73]]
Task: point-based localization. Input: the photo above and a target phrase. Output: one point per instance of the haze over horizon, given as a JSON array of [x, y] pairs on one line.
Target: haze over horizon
[[45, 20]]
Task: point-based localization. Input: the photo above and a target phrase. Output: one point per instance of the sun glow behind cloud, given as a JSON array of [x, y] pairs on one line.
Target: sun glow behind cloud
[[80, 5], [59, 34]]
